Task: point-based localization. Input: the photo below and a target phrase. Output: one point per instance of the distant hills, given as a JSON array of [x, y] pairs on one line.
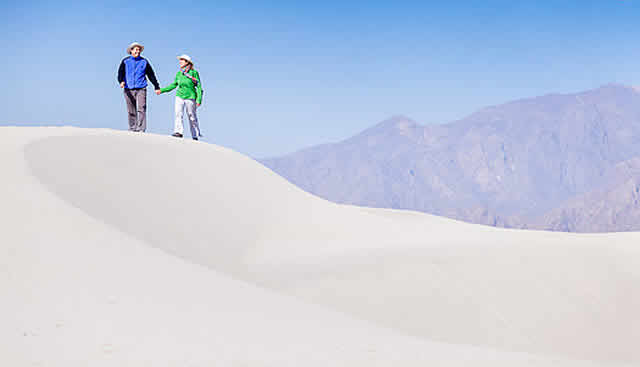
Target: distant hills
[[564, 162]]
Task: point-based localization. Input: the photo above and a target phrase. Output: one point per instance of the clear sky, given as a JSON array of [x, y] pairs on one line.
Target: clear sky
[[283, 75]]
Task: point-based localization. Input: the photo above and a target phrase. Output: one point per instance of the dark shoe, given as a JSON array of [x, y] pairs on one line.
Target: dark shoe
[[195, 138], [177, 135]]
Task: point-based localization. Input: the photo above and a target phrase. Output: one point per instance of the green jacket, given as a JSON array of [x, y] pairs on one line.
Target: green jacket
[[186, 89]]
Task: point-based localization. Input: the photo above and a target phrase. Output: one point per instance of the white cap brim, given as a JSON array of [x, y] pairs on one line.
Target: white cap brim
[[185, 58]]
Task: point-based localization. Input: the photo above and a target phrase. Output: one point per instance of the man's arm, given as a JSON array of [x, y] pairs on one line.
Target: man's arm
[[121, 72], [152, 76]]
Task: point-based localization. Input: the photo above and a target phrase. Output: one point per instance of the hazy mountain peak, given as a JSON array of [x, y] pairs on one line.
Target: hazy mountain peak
[[400, 122], [393, 126]]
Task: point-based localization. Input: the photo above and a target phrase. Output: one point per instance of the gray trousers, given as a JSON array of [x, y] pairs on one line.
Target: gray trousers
[[137, 108]]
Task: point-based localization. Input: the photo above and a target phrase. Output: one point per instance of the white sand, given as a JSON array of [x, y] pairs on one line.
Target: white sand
[[121, 249]]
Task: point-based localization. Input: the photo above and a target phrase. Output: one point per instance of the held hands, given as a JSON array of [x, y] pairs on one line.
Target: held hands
[[158, 92], [122, 85]]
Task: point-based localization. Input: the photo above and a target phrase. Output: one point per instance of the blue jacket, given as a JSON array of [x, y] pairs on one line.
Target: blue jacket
[[133, 71]]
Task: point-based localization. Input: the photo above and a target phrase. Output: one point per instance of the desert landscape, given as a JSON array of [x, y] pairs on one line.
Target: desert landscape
[[125, 249]]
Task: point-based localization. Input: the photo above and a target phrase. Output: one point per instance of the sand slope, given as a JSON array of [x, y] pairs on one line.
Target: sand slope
[[128, 250]]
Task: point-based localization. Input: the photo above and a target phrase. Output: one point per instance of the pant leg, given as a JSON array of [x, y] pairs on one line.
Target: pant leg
[[130, 99], [141, 104], [190, 105], [179, 108]]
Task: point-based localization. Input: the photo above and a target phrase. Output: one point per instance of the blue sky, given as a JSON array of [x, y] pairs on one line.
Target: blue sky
[[284, 75]]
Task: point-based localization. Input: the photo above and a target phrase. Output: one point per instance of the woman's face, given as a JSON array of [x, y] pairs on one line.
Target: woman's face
[[183, 63], [135, 52]]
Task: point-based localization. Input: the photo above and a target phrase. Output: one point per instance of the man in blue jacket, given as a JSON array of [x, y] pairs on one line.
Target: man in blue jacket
[[132, 76]]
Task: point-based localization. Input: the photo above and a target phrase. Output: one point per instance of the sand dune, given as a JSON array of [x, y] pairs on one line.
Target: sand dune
[[133, 250]]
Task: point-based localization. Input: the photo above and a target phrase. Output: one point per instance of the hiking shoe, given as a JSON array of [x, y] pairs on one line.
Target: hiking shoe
[[177, 135]]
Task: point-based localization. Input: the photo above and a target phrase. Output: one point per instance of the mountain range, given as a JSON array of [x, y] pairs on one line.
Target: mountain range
[[563, 162]]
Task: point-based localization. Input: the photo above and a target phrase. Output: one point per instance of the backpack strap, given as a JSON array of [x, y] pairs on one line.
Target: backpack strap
[[193, 79]]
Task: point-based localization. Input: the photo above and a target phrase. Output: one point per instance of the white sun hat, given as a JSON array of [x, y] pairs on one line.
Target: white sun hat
[[186, 58], [135, 44]]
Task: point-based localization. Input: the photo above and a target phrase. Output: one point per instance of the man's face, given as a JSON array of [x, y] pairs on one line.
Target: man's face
[[183, 63], [135, 52]]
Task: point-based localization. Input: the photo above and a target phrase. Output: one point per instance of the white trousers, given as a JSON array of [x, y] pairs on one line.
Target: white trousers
[[190, 106]]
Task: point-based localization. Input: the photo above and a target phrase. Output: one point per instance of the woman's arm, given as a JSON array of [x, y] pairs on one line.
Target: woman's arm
[[198, 88], [171, 86]]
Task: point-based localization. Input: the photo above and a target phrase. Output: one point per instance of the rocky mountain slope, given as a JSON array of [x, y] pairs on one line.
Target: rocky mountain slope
[[513, 165]]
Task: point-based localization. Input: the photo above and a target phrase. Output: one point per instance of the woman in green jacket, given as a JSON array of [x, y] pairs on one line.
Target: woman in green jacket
[[188, 96]]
